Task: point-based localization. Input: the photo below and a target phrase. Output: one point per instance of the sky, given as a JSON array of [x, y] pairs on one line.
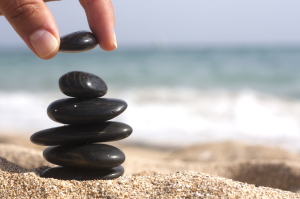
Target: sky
[[183, 23]]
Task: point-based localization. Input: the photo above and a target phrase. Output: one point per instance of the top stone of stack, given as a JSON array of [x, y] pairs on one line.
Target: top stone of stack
[[78, 42], [82, 85]]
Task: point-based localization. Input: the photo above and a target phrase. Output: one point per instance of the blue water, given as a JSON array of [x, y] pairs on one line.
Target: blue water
[[273, 71], [175, 96]]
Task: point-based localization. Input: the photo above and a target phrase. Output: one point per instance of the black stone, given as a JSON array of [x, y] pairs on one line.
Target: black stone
[[90, 156], [82, 134], [77, 42], [85, 111], [82, 84], [67, 173]]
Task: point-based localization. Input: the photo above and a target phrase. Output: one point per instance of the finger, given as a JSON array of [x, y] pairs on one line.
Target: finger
[[100, 15], [44, 1], [33, 21]]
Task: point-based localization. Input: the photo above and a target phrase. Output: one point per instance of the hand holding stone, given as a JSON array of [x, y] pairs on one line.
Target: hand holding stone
[[33, 21]]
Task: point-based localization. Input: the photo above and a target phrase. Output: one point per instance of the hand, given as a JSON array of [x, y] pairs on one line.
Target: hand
[[33, 21]]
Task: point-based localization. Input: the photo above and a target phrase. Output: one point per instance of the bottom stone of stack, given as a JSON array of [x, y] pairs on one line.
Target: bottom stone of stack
[[67, 173]]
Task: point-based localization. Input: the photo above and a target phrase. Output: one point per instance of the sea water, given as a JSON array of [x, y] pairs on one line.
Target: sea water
[[175, 97]]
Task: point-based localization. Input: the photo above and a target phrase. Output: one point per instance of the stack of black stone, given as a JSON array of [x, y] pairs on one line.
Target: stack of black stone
[[73, 146]]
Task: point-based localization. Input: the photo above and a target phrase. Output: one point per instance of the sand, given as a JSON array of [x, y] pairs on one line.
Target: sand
[[22, 183], [212, 170]]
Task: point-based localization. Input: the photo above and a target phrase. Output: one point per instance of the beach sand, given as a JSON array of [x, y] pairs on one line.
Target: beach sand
[[212, 170]]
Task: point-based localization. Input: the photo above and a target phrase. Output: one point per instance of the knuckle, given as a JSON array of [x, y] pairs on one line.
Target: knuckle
[[17, 11]]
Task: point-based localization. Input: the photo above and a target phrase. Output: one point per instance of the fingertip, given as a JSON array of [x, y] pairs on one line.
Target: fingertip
[[45, 43], [51, 55], [100, 16], [108, 45], [33, 21], [108, 41], [106, 48]]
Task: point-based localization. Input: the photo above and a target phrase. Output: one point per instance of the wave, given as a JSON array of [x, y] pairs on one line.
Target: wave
[[175, 116]]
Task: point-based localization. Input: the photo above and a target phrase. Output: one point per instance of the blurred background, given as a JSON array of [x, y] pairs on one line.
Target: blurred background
[[191, 72]]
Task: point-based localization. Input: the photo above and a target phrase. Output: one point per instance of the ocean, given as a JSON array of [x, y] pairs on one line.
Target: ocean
[[176, 97]]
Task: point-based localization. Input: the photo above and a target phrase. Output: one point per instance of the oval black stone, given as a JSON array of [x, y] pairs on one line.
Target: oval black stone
[[85, 111], [82, 84], [77, 42], [82, 134], [67, 173], [90, 156]]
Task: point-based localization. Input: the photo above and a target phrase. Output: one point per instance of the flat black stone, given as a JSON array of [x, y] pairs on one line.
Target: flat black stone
[[67, 173], [85, 111], [82, 84], [77, 42], [82, 134], [90, 156]]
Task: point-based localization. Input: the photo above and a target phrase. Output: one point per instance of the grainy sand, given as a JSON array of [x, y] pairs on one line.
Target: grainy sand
[[200, 171], [22, 183]]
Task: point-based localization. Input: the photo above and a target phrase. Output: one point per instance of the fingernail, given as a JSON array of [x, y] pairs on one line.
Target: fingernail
[[43, 42], [115, 42]]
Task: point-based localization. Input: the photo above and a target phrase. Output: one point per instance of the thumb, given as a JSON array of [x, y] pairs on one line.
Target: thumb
[[33, 21]]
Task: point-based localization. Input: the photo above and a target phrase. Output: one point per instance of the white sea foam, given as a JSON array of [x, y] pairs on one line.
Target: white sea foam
[[176, 116]]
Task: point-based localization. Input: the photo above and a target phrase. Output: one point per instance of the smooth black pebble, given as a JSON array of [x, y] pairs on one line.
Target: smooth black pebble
[[90, 156], [77, 42], [85, 111], [82, 134], [67, 173], [82, 84]]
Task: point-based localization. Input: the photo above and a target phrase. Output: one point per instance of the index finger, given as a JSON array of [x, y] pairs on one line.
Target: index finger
[[100, 15]]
